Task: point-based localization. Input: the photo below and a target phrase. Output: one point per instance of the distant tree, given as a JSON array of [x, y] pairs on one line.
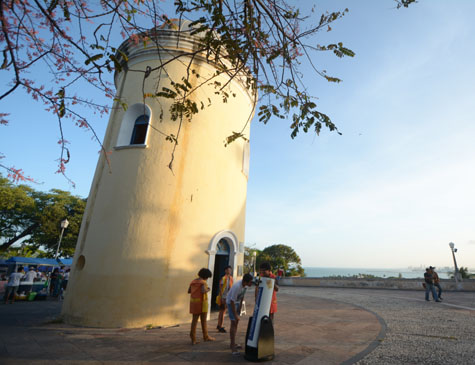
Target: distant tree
[[57, 51], [53, 207], [18, 210], [366, 276], [464, 272], [24, 250], [249, 259], [33, 218], [284, 257]]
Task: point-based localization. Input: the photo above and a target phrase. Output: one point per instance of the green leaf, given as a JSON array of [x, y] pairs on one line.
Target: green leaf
[[94, 58]]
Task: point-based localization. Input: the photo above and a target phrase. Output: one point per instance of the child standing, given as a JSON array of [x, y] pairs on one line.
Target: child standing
[[225, 285], [199, 304], [234, 302], [265, 272]]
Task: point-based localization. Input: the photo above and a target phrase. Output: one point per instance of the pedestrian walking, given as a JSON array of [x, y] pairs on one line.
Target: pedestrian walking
[[436, 279], [429, 285]]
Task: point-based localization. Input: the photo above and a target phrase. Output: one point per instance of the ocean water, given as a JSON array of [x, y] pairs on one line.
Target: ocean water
[[322, 272]]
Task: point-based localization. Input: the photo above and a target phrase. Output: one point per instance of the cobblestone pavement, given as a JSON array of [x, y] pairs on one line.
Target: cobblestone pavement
[[307, 331], [418, 332], [313, 326]]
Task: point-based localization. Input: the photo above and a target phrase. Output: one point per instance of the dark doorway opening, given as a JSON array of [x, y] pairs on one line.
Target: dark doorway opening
[[220, 262]]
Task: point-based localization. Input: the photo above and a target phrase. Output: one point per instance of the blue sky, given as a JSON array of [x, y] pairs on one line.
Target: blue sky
[[399, 184], [392, 191]]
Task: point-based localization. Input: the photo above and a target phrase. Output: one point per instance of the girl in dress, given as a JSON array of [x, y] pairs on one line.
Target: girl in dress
[[198, 291]]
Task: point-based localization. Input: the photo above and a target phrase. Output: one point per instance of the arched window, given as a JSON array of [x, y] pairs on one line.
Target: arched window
[[134, 126], [140, 130]]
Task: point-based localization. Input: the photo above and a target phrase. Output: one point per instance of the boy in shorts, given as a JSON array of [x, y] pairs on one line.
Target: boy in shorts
[[234, 301]]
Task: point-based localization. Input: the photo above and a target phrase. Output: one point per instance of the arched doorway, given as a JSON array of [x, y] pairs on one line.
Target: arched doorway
[[233, 246], [220, 262]]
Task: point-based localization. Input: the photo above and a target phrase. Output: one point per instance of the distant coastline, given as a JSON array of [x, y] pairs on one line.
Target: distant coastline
[[406, 273]]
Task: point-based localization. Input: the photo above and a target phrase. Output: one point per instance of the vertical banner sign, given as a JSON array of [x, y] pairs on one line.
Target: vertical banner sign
[[261, 309]]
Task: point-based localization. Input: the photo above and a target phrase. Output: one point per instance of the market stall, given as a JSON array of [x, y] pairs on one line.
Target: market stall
[[43, 266]]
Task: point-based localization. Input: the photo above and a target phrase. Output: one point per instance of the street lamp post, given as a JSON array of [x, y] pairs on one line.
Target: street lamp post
[[457, 273], [254, 254], [64, 225]]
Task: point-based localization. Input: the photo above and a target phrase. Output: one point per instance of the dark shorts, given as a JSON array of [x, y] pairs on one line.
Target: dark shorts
[[11, 289]]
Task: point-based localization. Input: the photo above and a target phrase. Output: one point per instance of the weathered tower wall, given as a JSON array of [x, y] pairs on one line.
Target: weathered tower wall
[[147, 230]]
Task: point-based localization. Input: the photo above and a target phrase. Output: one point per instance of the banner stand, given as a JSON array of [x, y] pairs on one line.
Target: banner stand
[[265, 342]]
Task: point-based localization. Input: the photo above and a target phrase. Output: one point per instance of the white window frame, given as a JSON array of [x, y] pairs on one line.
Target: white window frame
[[128, 123]]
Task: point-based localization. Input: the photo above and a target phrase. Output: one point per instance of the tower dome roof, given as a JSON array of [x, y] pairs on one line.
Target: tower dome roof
[[174, 35]]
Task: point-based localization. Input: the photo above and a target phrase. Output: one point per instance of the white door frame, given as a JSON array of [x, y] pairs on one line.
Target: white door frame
[[233, 243]]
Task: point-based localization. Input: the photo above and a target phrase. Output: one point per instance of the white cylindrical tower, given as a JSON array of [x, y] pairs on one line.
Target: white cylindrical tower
[[147, 230]]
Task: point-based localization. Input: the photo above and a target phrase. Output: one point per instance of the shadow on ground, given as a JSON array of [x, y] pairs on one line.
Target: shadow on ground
[[307, 331]]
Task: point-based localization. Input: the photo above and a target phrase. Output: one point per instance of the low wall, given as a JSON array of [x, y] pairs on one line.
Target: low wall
[[405, 284]]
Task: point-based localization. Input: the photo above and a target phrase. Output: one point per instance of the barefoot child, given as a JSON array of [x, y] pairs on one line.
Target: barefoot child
[[199, 304], [234, 301]]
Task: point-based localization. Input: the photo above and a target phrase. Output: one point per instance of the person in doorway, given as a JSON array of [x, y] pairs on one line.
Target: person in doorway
[[265, 272], [436, 279], [199, 304], [429, 285], [28, 280], [234, 302], [225, 285], [13, 284]]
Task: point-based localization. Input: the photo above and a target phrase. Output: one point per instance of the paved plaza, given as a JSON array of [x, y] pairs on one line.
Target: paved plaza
[[417, 332], [313, 326]]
